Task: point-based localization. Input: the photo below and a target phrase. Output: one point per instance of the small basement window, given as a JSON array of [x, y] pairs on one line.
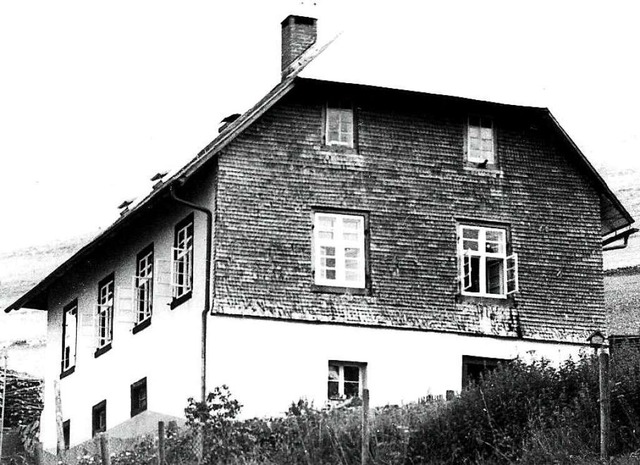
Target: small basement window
[[139, 397], [99, 418], [346, 380], [475, 368], [66, 433]]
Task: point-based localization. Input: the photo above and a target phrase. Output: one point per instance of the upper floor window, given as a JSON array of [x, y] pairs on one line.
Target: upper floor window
[[339, 250], [69, 337], [345, 380], [182, 261], [143, 287], [340, 125], [485, 268], [105, 306], [481, 147]]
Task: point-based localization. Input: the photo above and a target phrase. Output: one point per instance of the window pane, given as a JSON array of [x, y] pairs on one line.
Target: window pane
[[495, 235], [332, 390], [487, 133], [325, 235], [330, 274], [351, 389], [470, 233], [470, 245], [351, 264], [495, 280], [351, 276], [351, 373], [328, 251], [333, 373], [475, 275], [326, 223], [351, 252]]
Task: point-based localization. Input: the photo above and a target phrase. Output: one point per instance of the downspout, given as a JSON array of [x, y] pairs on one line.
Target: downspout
[[207, 289]]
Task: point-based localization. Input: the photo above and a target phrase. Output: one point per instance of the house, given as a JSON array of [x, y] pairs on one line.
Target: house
[[334, 236]]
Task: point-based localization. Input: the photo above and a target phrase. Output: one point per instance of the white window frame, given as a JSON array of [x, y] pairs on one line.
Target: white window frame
[[143, 287], [346, 125], [104, 314], [465, 255], [484, 128], [70, 338], [340, 246], [340, 365], [182, 262]]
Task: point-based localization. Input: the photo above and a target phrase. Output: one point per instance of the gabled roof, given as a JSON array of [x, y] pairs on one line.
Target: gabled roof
[[614, 216]]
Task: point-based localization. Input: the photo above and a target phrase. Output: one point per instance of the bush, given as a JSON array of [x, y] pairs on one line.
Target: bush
[[525, 413]]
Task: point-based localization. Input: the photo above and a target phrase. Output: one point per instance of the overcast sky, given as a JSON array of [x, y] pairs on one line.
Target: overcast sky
[[96, 97]]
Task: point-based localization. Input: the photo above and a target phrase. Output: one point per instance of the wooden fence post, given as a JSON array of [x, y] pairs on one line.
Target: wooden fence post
[[605, 406], [365, 428], [161, 436], [59, 428], [104, 449]]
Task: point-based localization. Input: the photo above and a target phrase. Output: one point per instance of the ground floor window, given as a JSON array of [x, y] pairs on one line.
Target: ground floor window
[[474, 368], [99, 418], [139, 397], [66, 433], [345, 380]]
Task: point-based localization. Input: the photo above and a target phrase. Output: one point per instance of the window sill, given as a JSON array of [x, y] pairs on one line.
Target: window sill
[[137, 412], [341, 290], [140, 326], [490, 170], [67, 372], [500, 302], [180, 300], [102, 350], [338, 148]]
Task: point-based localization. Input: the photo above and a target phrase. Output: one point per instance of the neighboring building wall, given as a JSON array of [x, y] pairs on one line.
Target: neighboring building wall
[[167, 352], [408, 172], [268, 364]]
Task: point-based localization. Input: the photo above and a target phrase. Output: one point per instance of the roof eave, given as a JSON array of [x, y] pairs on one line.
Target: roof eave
[[624, 219]]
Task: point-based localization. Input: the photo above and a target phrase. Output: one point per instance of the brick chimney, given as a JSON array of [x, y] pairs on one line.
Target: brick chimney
[[298, 34]]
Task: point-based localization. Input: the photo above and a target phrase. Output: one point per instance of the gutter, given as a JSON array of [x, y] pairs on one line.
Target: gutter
[[207, 289], [623, 234]]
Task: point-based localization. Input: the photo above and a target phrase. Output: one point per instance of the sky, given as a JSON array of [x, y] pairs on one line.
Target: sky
[[97, 97]]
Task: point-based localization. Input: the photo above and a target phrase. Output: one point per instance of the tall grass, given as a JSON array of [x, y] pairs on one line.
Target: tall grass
[[520, 413]]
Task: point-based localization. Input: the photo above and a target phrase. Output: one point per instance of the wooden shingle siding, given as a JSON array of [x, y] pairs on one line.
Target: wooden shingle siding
[[409, 173]]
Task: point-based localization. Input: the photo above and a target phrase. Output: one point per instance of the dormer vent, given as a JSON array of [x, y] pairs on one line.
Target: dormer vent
[[159, 175]]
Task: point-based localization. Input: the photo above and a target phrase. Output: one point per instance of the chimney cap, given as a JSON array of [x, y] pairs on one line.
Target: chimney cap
[[299, 19]]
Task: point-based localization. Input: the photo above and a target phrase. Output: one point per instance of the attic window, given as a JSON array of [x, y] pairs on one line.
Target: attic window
[[481, 141], [339, 124]]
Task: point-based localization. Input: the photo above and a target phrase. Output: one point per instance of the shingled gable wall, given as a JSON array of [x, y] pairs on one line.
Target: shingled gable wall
[[408, 173]]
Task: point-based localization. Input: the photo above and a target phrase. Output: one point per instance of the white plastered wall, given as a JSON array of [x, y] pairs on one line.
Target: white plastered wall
[[268, 364], [167, 352]]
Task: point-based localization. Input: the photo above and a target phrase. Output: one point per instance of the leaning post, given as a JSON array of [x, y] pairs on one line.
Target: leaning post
[[605, 405], [365, 427], [161, 436]]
